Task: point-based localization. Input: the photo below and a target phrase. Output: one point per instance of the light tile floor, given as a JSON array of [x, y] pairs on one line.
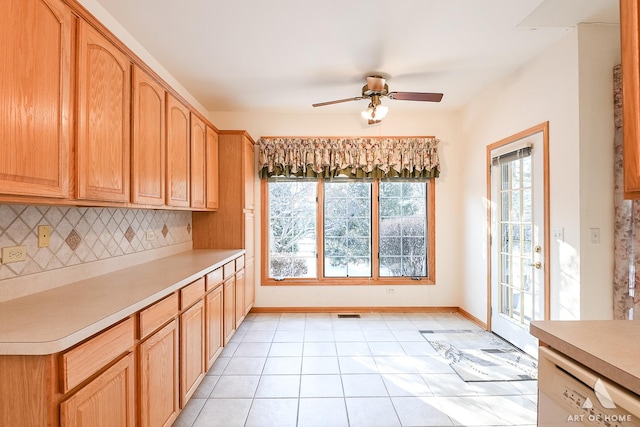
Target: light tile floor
[[315, 369]]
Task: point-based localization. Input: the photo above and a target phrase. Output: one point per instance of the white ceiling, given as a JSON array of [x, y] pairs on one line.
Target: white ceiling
[[284, 55]]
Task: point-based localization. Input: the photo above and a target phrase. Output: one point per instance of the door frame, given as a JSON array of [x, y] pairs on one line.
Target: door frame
[[544, 129]]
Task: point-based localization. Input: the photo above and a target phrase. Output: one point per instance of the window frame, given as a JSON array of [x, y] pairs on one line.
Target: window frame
[[375, 278]]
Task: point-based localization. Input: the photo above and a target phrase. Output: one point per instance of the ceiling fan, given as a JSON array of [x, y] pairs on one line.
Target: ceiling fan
[[377, 88]]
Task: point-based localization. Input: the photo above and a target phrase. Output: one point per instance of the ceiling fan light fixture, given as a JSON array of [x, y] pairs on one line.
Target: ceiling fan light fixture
[[375, 113]]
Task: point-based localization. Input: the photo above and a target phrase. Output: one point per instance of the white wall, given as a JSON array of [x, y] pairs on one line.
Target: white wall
[[443, 125], [599, 52], [568, 91]]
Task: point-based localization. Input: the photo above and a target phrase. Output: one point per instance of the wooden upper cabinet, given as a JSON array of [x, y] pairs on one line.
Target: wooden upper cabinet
[[178, 153], [248, 155], [148, 140], [630, 44], [104, 88], [198, 162], [213, 178], [35, 97]]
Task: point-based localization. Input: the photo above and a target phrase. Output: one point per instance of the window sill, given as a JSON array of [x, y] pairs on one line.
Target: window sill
[[350, 281]]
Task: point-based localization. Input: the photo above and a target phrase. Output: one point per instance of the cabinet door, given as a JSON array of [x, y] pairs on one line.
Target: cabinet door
[[229, 308], [178, 153], [192, 353], [35, 97], [198, 162], [630, 44], [158, 377], [214, 329], [249, 234], [248, 153], [104, 84], [108, 400], [148, 143], [249, 285], [240, 281], [212, 169]]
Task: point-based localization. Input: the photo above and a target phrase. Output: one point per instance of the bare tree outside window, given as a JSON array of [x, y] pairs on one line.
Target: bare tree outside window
[[292, 228], [403, 229]]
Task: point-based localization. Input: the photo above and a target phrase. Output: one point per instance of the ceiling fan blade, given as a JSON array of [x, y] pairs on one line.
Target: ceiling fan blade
[[337, 101], [416, 96]]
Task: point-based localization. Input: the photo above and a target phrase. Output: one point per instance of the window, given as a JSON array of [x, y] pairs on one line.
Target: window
[[292, 228], [348, 231], [403, 229]]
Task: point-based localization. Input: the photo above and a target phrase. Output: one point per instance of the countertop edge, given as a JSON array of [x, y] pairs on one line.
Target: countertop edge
[[602, 367], [62, 343]]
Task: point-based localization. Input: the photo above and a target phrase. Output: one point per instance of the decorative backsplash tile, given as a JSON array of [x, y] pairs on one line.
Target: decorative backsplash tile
[[80, 235]]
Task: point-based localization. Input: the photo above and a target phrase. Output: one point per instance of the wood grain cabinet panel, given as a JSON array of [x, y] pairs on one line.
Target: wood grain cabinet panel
[[148, 139], [35, 97], [192, 292], [249, 171], [630, 45], [213, 178], [225, 228], [159, 377], [108, 400], [229, 318], [153, 317], [214, 278], [239, 309], [198, 162], [249, 286], [214, 307], [192, 351], [178, 153], [103, 144], [82, 361]]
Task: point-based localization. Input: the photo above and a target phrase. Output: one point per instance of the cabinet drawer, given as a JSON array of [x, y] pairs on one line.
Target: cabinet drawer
[[240, 262], [88, 358], [191, 293], [214, 278], [229, 269], [159, 313]]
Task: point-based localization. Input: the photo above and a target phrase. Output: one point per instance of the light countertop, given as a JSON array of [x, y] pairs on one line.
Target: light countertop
[[611, 348], [52, 321]]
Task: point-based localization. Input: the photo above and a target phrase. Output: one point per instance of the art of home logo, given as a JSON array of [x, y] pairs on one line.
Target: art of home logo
[[605, 401]]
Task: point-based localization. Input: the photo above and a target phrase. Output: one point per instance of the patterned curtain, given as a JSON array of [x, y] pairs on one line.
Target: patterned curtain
[[379, 157]]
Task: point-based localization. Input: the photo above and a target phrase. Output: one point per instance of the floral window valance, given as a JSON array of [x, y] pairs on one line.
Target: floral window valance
[[379, 157]]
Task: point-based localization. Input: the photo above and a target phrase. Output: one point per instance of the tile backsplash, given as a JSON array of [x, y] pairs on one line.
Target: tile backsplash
[[80, 235]]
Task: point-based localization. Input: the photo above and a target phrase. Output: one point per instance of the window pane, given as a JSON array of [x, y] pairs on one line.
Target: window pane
[[292, 228], [403, 228], [347, 231]]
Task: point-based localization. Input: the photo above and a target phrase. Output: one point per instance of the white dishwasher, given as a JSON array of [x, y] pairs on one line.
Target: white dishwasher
[[570, 394]]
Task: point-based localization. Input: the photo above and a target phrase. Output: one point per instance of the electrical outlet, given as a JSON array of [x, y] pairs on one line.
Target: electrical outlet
[[150, 235], [391, 290], [14, 254]]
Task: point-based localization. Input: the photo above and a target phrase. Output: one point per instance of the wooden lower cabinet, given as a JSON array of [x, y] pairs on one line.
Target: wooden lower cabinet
[[214, 309], [108, 400], [141, 371], [229, 308], [158, 377], [192, 354]]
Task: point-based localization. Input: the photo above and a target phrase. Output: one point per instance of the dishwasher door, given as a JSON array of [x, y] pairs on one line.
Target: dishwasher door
[[572, 394]]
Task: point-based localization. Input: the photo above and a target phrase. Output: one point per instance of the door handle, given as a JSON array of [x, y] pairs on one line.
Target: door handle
[[536, 265]]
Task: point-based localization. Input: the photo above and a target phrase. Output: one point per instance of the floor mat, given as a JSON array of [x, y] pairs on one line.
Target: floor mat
[[478, 355]]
